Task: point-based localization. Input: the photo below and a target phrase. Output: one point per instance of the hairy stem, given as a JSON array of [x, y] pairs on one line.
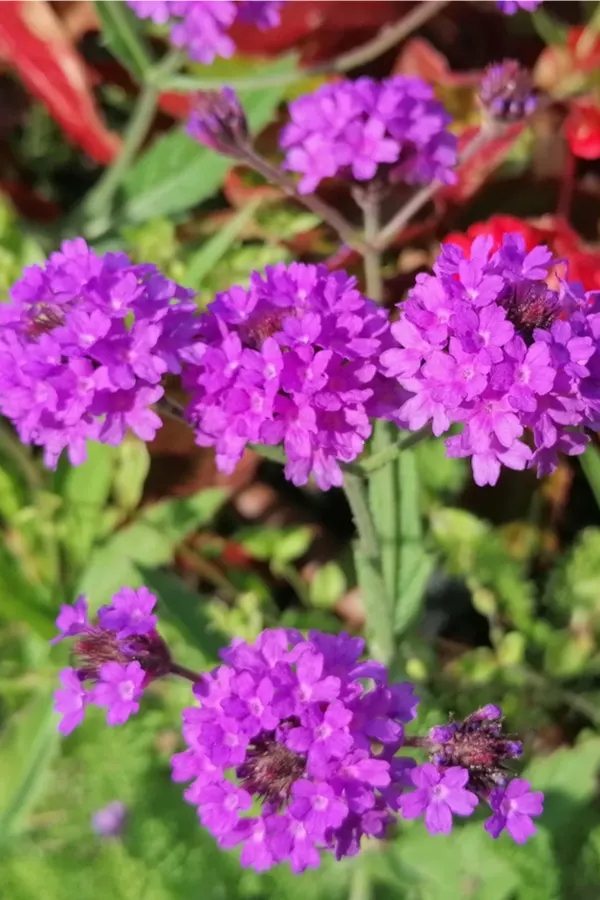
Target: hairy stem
[[311, 201], [390, 453], [356, 494], [370, 202]]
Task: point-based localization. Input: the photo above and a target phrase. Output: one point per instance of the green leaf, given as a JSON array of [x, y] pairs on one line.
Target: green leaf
[[395, 503], [282, 545], [132, 466], [150, 541], [22, 600], [176, 173], [327, 586], [28, 747], [552, 31], [85, 490], [203, 261], [186, 610], [122, 33]]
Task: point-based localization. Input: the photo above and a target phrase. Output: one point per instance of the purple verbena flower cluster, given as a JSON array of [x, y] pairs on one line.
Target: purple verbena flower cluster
[[84, 344], [363, 128], [289, 722], [510, 7], [467, 764], [485, 342], [292, 360], [506, 92], [201, 25], [116, 658]]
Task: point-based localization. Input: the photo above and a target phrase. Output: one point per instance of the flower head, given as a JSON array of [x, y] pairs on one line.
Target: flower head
[[293, 360], [360, 129], [201, 25], [115, 658], [506, 92], [513, 808], [218, 120], [84, 344], [289, 722], [486, 342]]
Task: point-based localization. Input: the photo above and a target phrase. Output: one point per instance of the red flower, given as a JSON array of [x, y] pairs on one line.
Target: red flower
[[582, 129], [498, 226]]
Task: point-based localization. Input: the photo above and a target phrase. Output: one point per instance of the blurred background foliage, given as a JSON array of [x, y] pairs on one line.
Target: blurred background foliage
[[498, 590]]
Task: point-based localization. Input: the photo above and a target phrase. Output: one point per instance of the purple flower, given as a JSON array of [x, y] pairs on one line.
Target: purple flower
[[486, 343], [130, 613], [358, 129], [118, 689], [510, 7], [286, 721], [513, 808], [84, 344], [293, 360], [438, 796], [201, 25], [115, 659], [109, 821], [70, 701], [506, 92], [72, 620]]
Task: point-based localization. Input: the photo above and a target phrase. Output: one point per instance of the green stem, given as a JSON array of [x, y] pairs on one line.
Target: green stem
[[370, 202], [96, 207], [184, 672], [355, 489], [389, 454]]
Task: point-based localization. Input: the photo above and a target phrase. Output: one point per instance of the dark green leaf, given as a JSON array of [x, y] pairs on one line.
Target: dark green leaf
[[122, 32]]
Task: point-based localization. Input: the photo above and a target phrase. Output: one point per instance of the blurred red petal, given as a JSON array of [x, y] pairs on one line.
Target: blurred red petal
[[35, 43], [582, 129]]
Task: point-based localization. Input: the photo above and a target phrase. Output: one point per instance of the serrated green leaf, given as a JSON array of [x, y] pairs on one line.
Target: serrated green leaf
[[177, 173], [122, 33]]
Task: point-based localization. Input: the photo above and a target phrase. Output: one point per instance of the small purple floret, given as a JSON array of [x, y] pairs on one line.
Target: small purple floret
[[360, 129], [109, 821], [513, 808], [510, 7], [70, 701], [119, 689], [438, 795]]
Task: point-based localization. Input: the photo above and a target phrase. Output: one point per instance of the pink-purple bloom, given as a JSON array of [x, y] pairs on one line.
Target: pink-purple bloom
[[359, 129], [109, 821], [116, 658], [289, 721], [513, 808], [201, 26], [487, 343], [506, 92], [84, 344], [438, 795], [292, 360]]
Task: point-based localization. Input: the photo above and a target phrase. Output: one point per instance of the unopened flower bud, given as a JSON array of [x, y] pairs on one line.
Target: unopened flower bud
[[218, 121], [506, 92]]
